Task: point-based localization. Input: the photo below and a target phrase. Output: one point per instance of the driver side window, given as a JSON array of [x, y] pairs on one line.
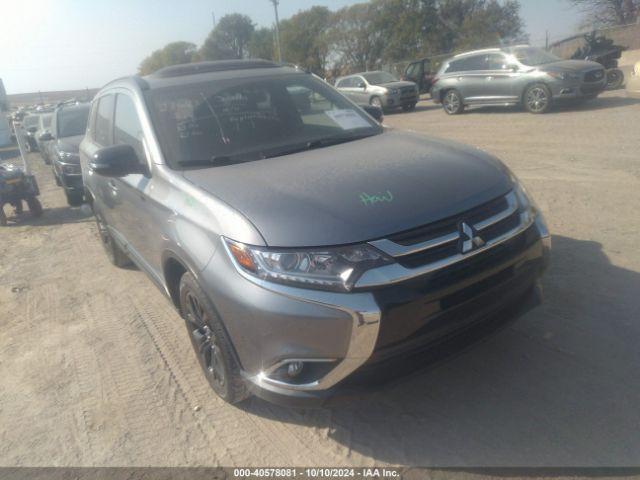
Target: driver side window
[[127, 128]]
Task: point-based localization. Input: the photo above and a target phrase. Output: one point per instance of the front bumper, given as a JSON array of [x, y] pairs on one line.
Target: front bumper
[[576, 89], [399, 99], [71, 182], [339, 334]]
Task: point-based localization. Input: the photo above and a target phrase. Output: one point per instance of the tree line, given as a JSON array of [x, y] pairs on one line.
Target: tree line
[[358, 37]]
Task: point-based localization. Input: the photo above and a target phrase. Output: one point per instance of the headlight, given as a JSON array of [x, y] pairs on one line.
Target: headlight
[[67, 155], [71, 169], [564, 76], [529, 207], [393, 91], [334, 269]]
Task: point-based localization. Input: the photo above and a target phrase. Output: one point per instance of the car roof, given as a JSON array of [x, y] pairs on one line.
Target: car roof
[[490, 50], [78, 106], [190, 73]]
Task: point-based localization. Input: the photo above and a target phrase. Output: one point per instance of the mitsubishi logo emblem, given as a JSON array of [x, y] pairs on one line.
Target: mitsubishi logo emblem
[[469, 238]]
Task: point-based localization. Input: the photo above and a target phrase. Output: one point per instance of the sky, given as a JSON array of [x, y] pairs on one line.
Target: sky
[[72, 44]]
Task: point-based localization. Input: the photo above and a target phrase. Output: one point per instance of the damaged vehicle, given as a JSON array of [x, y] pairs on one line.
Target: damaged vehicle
[[301, 243]]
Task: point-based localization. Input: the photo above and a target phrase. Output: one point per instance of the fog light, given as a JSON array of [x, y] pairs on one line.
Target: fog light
[[294, 369]]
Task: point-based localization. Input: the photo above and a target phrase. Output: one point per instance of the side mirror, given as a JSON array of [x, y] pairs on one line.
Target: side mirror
[[513, 68], [375, 112], [115, 161], [362, 85], [45, 137]]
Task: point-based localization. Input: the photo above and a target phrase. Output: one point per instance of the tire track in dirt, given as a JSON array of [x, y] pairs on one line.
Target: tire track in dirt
[[213, 417]]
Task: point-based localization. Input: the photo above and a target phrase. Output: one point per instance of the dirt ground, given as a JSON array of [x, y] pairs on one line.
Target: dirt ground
[[96, 367]]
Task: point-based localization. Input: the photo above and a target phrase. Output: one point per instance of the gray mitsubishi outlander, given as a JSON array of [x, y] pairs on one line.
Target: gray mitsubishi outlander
[[301, 241]]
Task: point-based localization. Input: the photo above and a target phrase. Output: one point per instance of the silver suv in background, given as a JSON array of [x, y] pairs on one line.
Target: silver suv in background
[[380, 89], [517, 75]]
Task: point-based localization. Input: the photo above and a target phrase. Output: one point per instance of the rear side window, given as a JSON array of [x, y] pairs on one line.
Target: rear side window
[[346, 83], [126, 127], [468, 64], [413, 70], [495, 61], [104, 119]]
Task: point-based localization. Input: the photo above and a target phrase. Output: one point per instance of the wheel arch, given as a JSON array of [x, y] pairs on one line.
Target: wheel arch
[[534, 82], [173, 268]]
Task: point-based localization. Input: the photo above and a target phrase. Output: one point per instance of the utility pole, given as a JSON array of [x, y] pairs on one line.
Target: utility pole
[[213, 17], [275, 8], [546, 40]]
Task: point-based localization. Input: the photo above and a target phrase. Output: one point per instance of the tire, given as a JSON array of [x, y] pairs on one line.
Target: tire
[[537, 98], [57, 179], [452, 102], [615, 79], [111, 248], [74, 198], [3, 217], [376, 102], [409, 107], [46, 160], [35, 207], [210, 342]]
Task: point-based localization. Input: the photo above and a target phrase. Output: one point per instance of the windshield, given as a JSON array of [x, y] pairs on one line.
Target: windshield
[[30, 121], [377, 78], [241, 120], [534, 56], [72, 121]]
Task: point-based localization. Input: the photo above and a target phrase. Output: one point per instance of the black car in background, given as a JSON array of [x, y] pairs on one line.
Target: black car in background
[[30, 126], [68, 126], [44, 124], [422, 72]]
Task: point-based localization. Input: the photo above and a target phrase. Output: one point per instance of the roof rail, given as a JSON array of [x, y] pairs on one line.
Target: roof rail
[[214, 66], [142, 83], [472, 52]]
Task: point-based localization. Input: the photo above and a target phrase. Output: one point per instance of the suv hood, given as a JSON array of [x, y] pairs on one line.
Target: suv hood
[[356, 191], [572, 66], [69, 144], [398, 84]]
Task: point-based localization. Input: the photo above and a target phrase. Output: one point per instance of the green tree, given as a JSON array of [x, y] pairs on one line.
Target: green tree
[[491, 24], [354, 39], [303, 38], [229, 39], [609, 12], [262, 44], [171, 54]]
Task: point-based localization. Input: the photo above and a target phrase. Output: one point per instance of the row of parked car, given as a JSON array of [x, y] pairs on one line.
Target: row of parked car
[[57, 135], [520, 75]]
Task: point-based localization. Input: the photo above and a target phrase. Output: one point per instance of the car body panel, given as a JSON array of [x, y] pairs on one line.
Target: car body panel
[[433, 179]]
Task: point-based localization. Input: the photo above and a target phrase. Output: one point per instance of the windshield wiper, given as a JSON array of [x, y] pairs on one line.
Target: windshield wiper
[[215, 160], [319, 143]]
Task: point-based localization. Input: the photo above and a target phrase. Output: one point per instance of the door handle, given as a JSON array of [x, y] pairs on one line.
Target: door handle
[[112, 185]]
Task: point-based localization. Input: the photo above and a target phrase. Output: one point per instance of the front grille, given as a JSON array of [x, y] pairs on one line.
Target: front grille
[[405, 90], [594, 75], [417, 312], [443, 242], [586, 89]]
